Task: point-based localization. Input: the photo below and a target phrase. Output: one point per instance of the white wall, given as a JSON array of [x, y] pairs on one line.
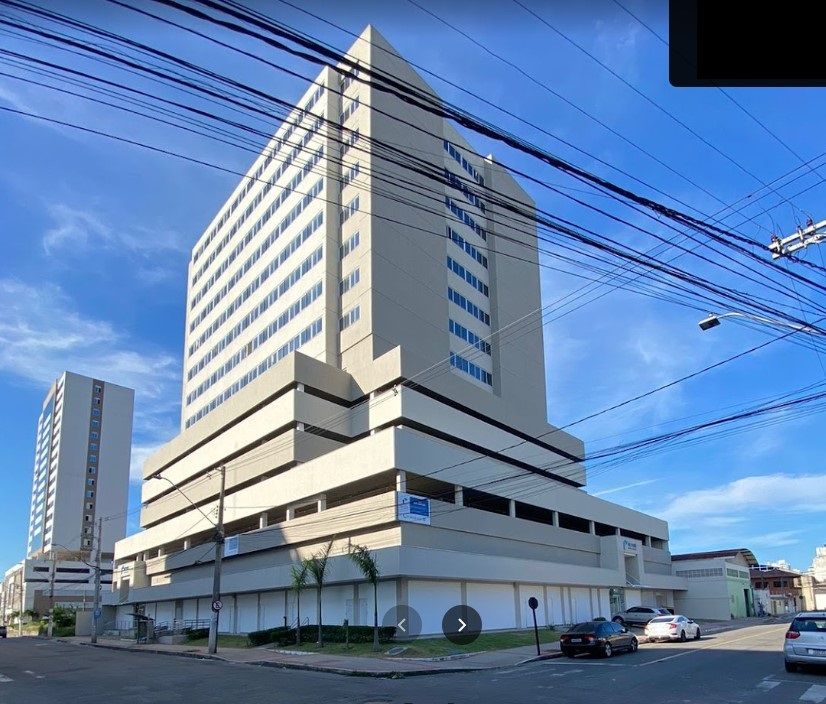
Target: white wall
[[272, 609], [246, 614], [494, 602], [432, 600], [556, 609], [581, 604], [525, 592]]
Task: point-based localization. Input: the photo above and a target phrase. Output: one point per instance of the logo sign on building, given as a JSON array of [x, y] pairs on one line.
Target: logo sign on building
[[413, 509], [231, 546], [629, 546]]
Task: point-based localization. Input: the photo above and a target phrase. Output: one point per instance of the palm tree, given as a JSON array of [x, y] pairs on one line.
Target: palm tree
[[317, 567], [299, 581], [366, 562]]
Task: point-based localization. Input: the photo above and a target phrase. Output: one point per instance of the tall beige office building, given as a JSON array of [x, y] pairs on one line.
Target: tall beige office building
[[364, 357]]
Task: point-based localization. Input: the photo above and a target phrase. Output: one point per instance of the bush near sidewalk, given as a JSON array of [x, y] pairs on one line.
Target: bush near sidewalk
[[197, 633], [331, 634]]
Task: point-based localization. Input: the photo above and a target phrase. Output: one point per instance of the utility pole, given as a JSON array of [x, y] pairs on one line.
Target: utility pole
[[50, 627], [216, 576], [96, 612], [20, 613], [813, 233]]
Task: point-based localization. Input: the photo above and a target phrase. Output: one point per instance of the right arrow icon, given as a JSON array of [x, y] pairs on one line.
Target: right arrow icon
[[463, 626]]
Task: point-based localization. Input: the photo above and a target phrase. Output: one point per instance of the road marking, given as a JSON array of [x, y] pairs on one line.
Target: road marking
[[701, 648], [3, 678], [767, 685], [564, 674], [816, 693]]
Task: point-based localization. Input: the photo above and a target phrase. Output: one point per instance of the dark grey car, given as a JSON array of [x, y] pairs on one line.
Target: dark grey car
[[597, 638]]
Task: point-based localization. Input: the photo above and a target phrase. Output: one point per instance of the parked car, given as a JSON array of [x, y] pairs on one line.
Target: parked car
[[639, 615], [805, 642], [597, 638], [3, 632], [672, 628]]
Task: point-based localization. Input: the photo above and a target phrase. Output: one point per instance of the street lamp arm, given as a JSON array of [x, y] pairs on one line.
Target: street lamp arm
[[713, 320]]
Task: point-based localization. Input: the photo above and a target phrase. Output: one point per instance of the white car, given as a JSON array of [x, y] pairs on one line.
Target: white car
[[672, 628], [805, 642]]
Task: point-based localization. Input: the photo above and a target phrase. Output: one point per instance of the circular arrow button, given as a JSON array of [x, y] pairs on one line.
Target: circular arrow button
[[462, 624], [406, 621]]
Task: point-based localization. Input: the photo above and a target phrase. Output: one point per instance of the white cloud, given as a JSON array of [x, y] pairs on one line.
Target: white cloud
[[43, 335], [769, 493], [139, 455], [76, 230]]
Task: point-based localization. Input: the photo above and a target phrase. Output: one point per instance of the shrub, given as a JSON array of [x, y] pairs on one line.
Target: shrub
[[331, 634], [197, 633]]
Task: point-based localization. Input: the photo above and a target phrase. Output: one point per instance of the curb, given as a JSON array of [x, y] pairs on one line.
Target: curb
[[392, 674], [380, 674], [154, 651], [540, 658]]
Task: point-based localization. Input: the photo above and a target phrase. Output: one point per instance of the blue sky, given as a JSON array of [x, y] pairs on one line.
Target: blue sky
[[96, 238]]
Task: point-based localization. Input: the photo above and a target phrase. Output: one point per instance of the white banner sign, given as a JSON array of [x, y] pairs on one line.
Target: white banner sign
[[231, 546], [413, 509]]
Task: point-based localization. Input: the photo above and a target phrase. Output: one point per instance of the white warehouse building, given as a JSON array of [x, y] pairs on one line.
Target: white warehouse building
[[358, 334]]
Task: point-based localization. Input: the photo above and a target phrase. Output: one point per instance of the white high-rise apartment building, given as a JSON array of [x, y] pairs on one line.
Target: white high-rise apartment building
[[81, 466], [364, 356], [81, 474]]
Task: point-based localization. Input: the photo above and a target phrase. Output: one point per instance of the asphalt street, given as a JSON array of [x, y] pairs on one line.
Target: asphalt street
[[738, 667]]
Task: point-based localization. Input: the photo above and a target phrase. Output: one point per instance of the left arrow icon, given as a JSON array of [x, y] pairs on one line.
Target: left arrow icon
[[399, 624]]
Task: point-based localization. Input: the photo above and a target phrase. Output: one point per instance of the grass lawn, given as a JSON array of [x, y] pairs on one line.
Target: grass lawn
[[224, 641], [435, 647]]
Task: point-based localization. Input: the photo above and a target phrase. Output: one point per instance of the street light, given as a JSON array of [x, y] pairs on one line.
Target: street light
[[712, 320], [212, 647]]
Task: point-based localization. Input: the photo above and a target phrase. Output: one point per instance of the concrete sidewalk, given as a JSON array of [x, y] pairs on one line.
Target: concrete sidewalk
[[379, 666], [382, 665]]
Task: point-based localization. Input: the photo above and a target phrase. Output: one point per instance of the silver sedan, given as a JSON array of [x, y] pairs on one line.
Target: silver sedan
[[672, 628]]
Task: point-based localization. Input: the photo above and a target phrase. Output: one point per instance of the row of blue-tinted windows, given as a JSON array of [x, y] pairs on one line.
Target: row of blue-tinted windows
[[349, 210], [273, 207], [464, 163], [469, 306], [348, 177], [349, 138], [470, 368], [294, 277], [349, 110], [254, 179], [346, 79], [468, 336], [301, 339], [285, 317], [463, 273], [469, 195], [274, 235], [272, 267], [462, 215], [279, 172], [460, 242]]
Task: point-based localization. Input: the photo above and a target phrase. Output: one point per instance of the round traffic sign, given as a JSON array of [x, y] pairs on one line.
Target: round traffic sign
[[217, 605], [533, 603]]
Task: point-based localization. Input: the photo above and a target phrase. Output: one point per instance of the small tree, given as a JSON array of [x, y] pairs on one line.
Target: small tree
[[366, 562], [31, 615], [317, 567], [299, 581]]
